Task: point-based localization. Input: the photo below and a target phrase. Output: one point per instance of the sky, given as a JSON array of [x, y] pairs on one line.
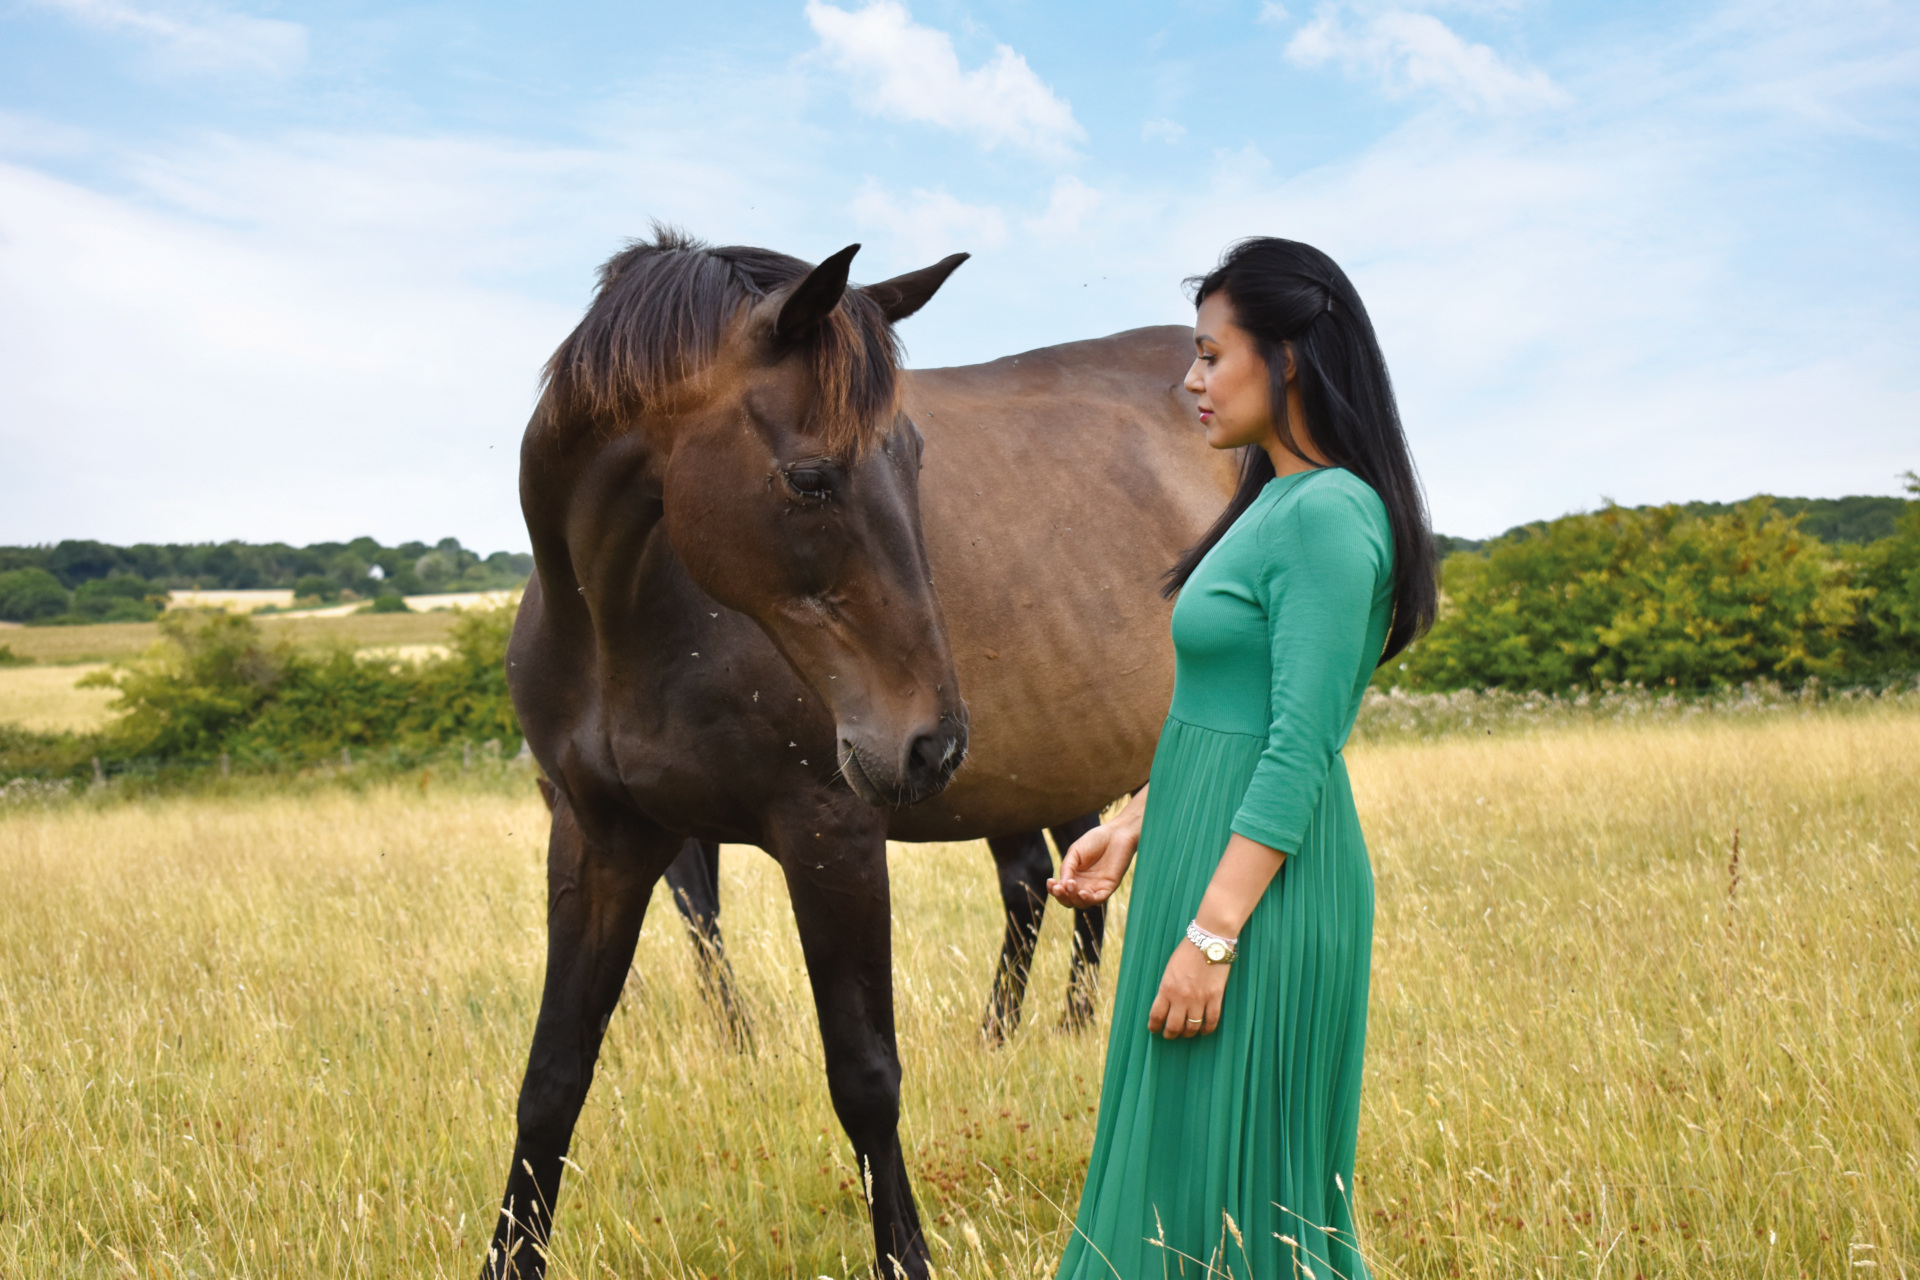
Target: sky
[[286, 271]]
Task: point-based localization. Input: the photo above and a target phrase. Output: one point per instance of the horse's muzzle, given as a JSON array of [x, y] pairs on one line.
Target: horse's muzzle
[[921, 772]]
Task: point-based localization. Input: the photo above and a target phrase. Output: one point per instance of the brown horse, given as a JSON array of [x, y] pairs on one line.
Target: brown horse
[[733, 633]]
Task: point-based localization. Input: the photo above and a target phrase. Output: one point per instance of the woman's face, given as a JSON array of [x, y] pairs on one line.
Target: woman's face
[[1231, 379]]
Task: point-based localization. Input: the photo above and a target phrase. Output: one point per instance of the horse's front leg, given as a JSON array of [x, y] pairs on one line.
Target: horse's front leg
[[596, 899], [835, 862]]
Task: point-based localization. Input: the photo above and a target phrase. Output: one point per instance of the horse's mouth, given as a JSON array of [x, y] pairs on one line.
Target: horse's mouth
[[862, 782], [856, 775]]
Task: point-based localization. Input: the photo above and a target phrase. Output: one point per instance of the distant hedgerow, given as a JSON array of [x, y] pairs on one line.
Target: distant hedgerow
[[215, 685]]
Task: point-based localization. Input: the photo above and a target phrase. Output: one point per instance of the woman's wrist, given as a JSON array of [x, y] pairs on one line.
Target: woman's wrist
[[1220, 918]]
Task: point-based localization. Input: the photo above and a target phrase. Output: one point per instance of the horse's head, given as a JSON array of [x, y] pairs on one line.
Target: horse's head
[[788, 478]]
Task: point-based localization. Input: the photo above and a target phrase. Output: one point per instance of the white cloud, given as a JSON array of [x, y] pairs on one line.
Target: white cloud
[[928, 225], [1161, 129], [1068, 206], [1274, 14], [911, 72], [196, 37], [1416, 52], [291, 337]]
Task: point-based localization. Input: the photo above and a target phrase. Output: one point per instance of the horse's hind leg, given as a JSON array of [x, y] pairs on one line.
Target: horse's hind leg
[[1024, 865], [596, 899], [837, 881], [694, 879], [1089, 933]]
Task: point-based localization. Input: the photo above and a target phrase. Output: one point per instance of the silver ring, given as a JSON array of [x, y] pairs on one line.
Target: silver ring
[[1191, 1021]]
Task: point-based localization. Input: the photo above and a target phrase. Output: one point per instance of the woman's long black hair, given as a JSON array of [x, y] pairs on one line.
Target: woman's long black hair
[[1288, 294]]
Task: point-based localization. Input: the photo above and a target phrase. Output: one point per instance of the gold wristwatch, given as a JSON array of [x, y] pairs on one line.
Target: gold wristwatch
[[1216, 949]]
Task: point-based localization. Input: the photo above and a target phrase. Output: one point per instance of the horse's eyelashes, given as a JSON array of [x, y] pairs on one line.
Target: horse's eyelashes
[[810, 482]]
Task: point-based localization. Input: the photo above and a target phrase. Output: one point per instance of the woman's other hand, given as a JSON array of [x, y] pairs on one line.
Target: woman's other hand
[[1190, 994], [1094, 865]]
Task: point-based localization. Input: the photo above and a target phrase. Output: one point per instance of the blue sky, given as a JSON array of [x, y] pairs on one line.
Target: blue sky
[[288, 271]]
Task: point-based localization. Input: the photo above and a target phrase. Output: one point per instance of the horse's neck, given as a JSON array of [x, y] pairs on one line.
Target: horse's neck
[[591, 507]]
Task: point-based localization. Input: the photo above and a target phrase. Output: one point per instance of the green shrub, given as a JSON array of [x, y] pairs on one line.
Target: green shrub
[[316, 586], [31, 595], [391, 602], [214, 684], [8, 658], [1652, 597]]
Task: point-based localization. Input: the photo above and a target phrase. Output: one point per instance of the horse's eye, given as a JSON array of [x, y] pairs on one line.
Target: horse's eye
[[810, 482]]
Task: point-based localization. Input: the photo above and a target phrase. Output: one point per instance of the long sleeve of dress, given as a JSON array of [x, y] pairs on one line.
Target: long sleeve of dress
[[1327, 557]]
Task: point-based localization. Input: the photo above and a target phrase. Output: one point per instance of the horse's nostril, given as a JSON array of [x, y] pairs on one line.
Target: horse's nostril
[[934, 755]]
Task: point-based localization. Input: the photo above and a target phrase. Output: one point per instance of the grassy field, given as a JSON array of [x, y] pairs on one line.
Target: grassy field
[[106, 642], [277, 1036], [46, 700]]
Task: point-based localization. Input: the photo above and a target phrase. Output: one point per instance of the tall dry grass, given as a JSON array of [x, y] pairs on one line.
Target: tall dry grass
[[275, 1036]]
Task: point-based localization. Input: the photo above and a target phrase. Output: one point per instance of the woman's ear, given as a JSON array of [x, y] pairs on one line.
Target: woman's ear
[[1286, 362]]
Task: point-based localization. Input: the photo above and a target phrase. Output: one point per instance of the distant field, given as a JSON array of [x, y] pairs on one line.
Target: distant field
[[43, 699], [108, 641], [278, 1036]]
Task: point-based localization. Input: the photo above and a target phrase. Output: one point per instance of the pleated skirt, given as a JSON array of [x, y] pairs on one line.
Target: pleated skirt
[[1231, 1155]]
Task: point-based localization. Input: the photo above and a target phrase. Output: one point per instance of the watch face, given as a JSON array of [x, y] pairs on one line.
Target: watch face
[[1216, 952]]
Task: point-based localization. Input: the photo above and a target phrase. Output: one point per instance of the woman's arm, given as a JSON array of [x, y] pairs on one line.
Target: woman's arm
[[1191, 989], [1096, 863]]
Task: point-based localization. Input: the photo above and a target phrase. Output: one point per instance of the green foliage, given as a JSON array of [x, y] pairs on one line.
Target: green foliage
[[389, 602], [214, 684], [30, 595], [197, 688], [1444, 546], [1859, 518], [118, 597], [27, 753], [316, 586], [1653, 597], [8, 658], [1885, 636]]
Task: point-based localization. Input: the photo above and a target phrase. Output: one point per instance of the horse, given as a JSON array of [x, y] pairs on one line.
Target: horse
[[767, 562], [1023, 864]]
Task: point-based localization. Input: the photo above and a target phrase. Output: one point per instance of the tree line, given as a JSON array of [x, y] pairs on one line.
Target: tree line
[[1689, 598], [85, 581]]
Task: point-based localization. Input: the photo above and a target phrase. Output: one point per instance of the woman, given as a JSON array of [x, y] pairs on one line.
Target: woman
[[1232, 1091]]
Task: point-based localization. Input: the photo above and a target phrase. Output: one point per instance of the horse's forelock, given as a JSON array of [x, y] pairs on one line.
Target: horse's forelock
[[661, 313]]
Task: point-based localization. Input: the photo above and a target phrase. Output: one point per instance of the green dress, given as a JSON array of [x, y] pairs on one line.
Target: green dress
[[1210, 1149]]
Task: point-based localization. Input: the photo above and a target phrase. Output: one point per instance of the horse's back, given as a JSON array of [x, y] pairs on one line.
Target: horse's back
[[1059, 485]]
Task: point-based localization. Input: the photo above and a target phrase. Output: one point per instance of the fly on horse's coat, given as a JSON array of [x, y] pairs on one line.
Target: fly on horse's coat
[[769, 565]]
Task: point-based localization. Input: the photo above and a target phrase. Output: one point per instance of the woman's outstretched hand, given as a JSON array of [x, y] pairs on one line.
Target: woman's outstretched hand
[[1093, 867]]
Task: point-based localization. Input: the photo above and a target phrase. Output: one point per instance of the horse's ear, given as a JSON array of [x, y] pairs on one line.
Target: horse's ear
[[903, 295], [816, 296]]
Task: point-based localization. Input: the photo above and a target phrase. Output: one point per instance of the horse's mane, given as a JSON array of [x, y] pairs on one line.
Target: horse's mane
[[657, 321]]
